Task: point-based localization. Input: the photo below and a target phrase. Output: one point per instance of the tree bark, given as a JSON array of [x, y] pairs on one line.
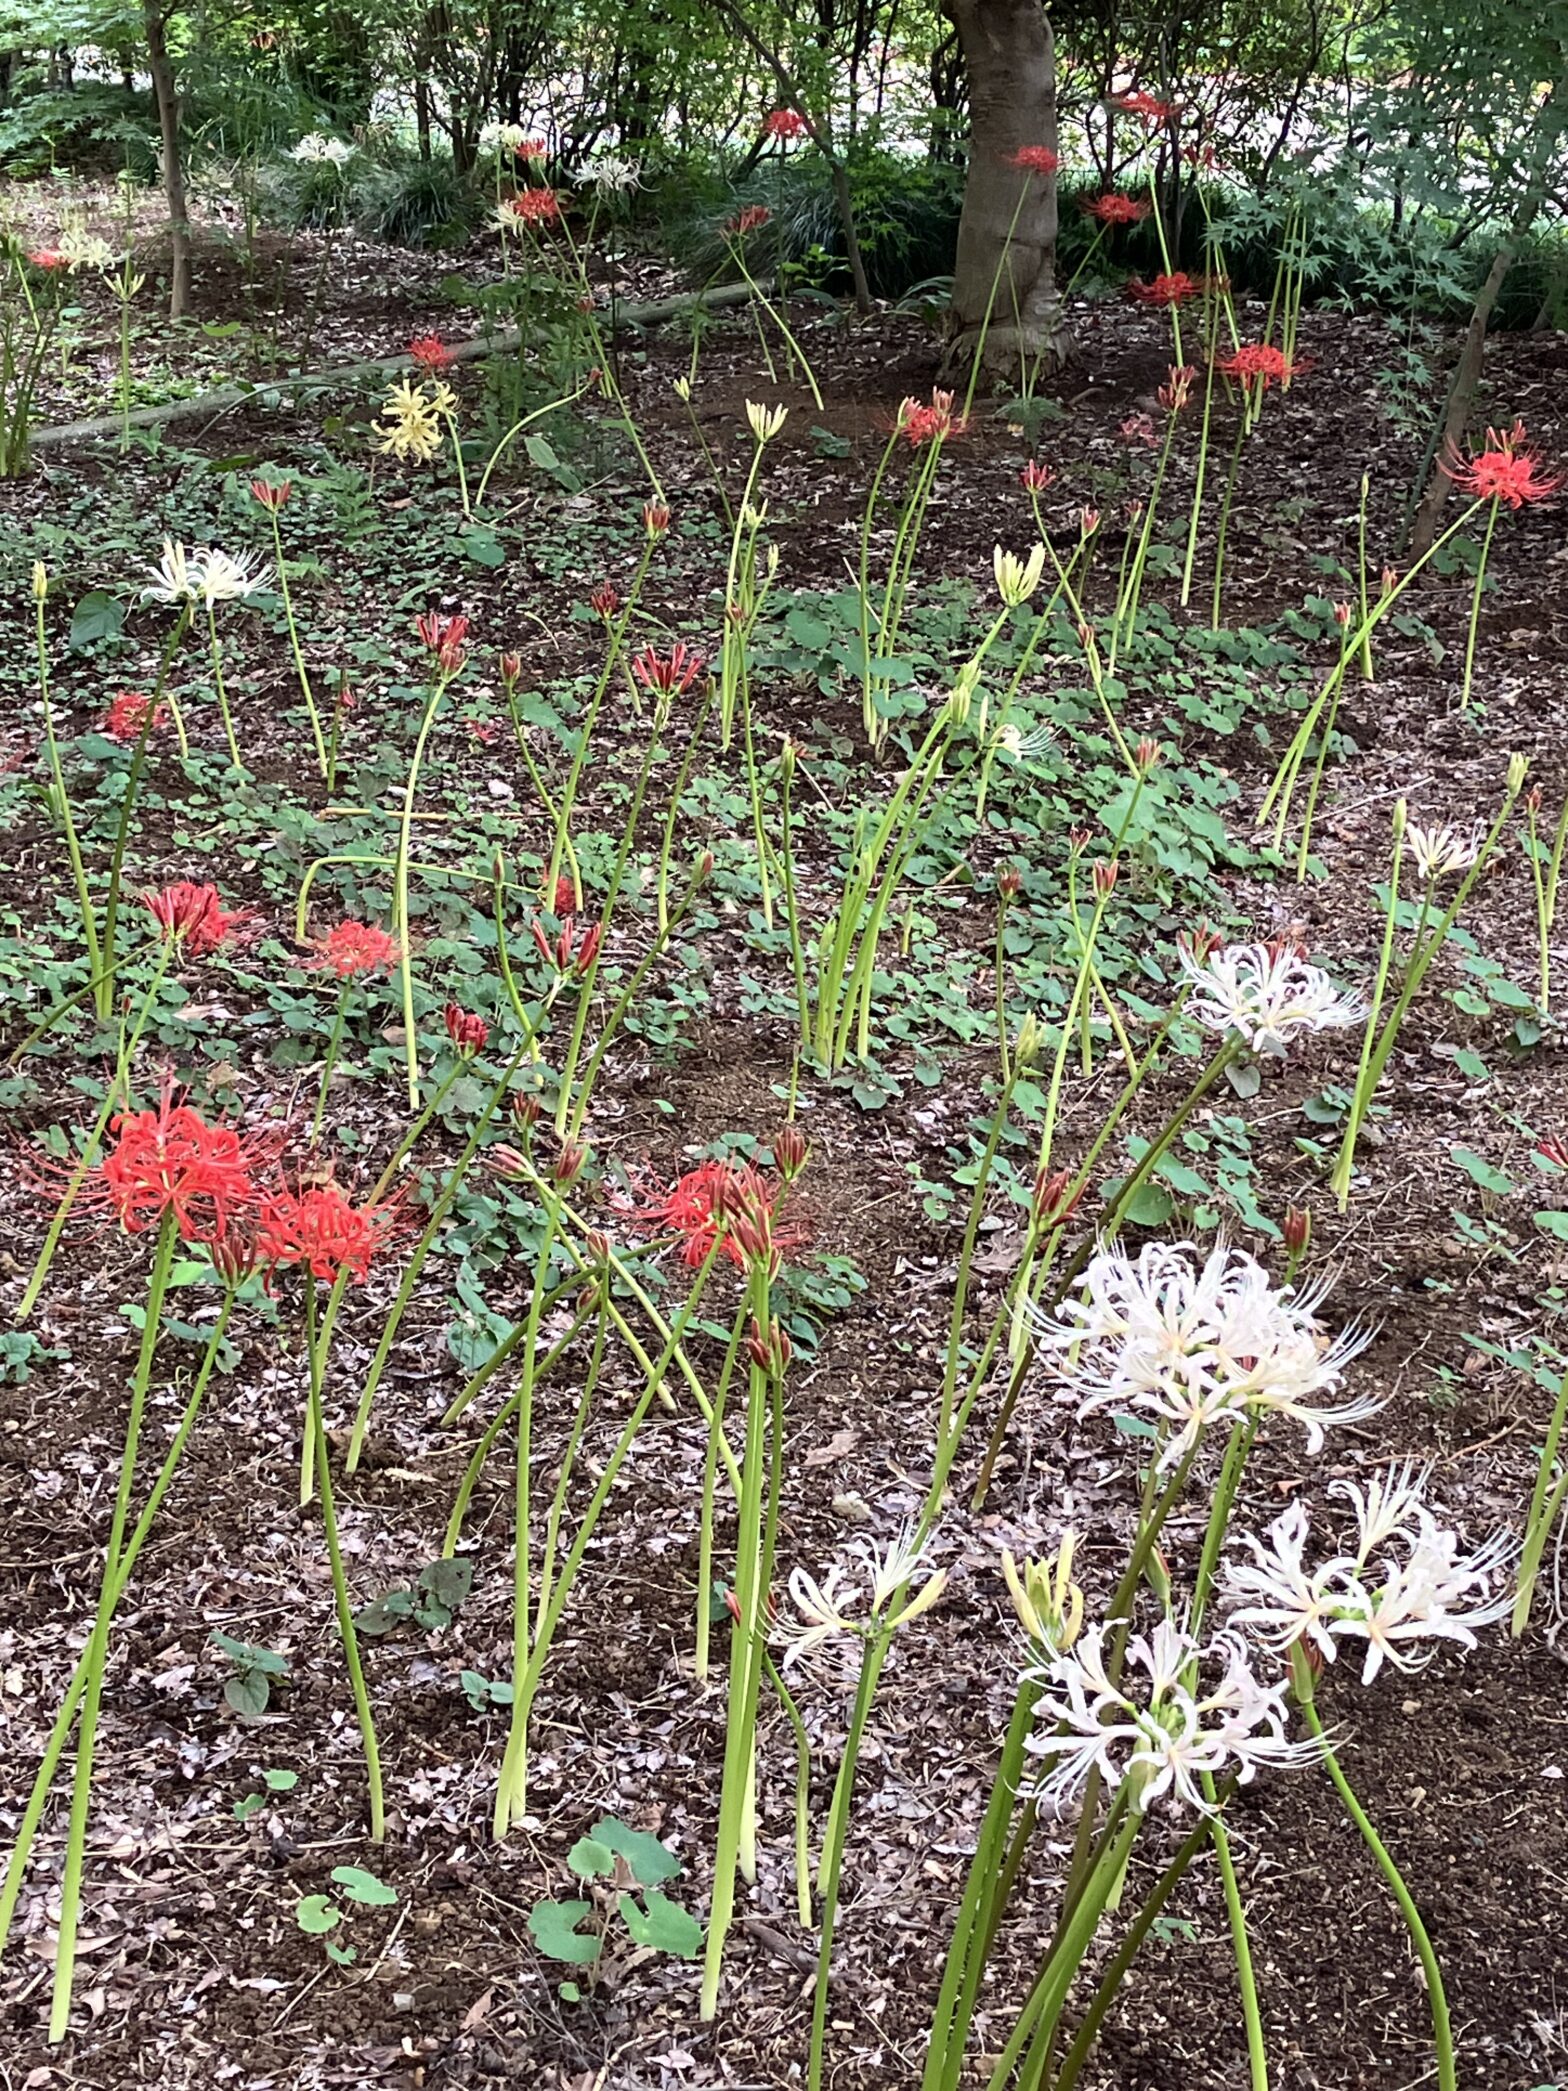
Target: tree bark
[[173, 172], [1472, 356], [1005, 307]]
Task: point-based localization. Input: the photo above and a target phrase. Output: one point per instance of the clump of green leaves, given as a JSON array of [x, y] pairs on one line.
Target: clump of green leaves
[[248, 1688], [430, 1602], [624, 1870]]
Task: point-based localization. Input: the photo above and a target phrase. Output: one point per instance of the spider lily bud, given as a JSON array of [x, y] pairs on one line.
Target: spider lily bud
[[765, 422], [1105, 876], [682, 389], [1342, 615], [1146, 755], [569, 1162], [655, 518], [1017, 579], [1088, 521], [1008, 884], [526, 1109], [1029, 1043], [467, 1032], [1037, 477], [1079, 839], [1049, 1604], [1050, 1205], [511, 667], [702, 870], [605, 599], [787, 761], [1532, 798], [790, 1149], [1517, 767], [235, 1258], [769, 1351], [40, 581], [1401, 815], [962, 694], [506, 1161], [1199, 942], [1297, 1231], [1553, 1148]]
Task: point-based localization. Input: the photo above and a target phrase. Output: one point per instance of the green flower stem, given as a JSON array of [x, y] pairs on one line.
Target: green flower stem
[[672, 812], [306, 691], [1121, 1961], [863, 592], [89, 988], [481, 1378], [217, 677], [400, 917], [873, 1656], [710, 1475], [1211, 347], [1125, 615], [511, 1794], [966, 1254], [334, 1047], [1475, 606], [1545, 1502], [563, 1481], [60, 802], [1437, 1999], [54, 1749], [1243, 428], [792, 911], [503, 1416], [1543, 927], [786, 1699], [97, 1652], [708, 458], [616, 633], [778, 319], [527, 1685], [117, 1091], [1364, 650], [416, 1262], [1374, 1059], [347, 1632]]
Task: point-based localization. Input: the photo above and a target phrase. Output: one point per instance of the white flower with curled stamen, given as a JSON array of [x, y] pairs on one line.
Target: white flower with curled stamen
[[317, 150], [1440, 851], [502, 137], [1433, 1593], [1160, 1730], [850, 1604], [226, 577], [1265, 995], [1189, 1341], [1013, 741], [612, 174], [173, 579]]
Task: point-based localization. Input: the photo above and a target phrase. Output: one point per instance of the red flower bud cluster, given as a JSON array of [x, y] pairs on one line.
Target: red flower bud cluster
[[445, 638], [468, 1033], [563, 952]]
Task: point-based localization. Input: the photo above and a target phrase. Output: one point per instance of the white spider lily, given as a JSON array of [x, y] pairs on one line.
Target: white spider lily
[[847, 1603], [1189, 1341], [1021, 746], [1159, 1731], [317, 150], [502, 137], [1265, 995], [612, 174], [173, 579], [765, 422], [226, 577], [85, 250], [1433, 1593], [1017, 579], [1440, 851]]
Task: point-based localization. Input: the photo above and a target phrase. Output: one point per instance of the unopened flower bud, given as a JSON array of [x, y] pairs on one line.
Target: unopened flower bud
[[1518, 765], [1146, 755], [1105, 876], [569, 1162], [1079, 839], [655, 518], [790, 1148], [526, 1108], [1342, 615], [1008, 884], [1532, 798], [605, 599], [1297, 1230], [511, 667], [1030, 1041], [1050, 1204], [40, 581], [1401, 815]]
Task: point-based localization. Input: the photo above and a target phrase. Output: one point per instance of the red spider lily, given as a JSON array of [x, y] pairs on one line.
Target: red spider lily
[[194, 916], [351, 949], [1088, 521], [47, 258], [655, 518], [1260, 364], [1203, 156], [511, 667], [784, 123], [920, 423], [751, 219], [605, 599], [532, 149], [319, 1231], [171, 1161], [1035, 159], [485, 731], [1177, 389], [1149, 106], [271, 493], [1139, 428], [535, 206], [1553, 1148], [790, 1149], [561, 953], [430, 352], [565, 898], [445, 637], [469, 1033], [1114, 209], [1037, 477], [671, 674], [126, 718], [1504, 470], [726, 1202], [1174, 289]]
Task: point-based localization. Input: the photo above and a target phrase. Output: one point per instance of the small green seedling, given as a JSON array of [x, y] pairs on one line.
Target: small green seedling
[[249, 1689], [276, 1782], [623, 1868], [316, 1915], [430, 1604], [484, 1694]]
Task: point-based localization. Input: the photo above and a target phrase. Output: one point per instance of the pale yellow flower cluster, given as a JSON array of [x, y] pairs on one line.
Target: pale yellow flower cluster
[[412, 417]]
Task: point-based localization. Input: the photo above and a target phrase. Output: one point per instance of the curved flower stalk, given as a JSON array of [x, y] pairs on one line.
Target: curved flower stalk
[[1503, 473], [1400, 1584], [1376, 1046], [445, 639], [59, 796], [927, 428]]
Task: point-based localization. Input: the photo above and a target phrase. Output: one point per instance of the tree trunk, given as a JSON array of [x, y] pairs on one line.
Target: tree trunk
[[1472, 356], [173, 173], [1004, 279]]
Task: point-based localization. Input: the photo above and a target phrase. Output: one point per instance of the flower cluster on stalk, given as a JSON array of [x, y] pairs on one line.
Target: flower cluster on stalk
[[850, 1604], [1189, 1342], [206, 575], [352, 949], [194, 917], [1504, 471], [126, 719], [1402, 1585], [1264, 994], [1161, 1731]]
